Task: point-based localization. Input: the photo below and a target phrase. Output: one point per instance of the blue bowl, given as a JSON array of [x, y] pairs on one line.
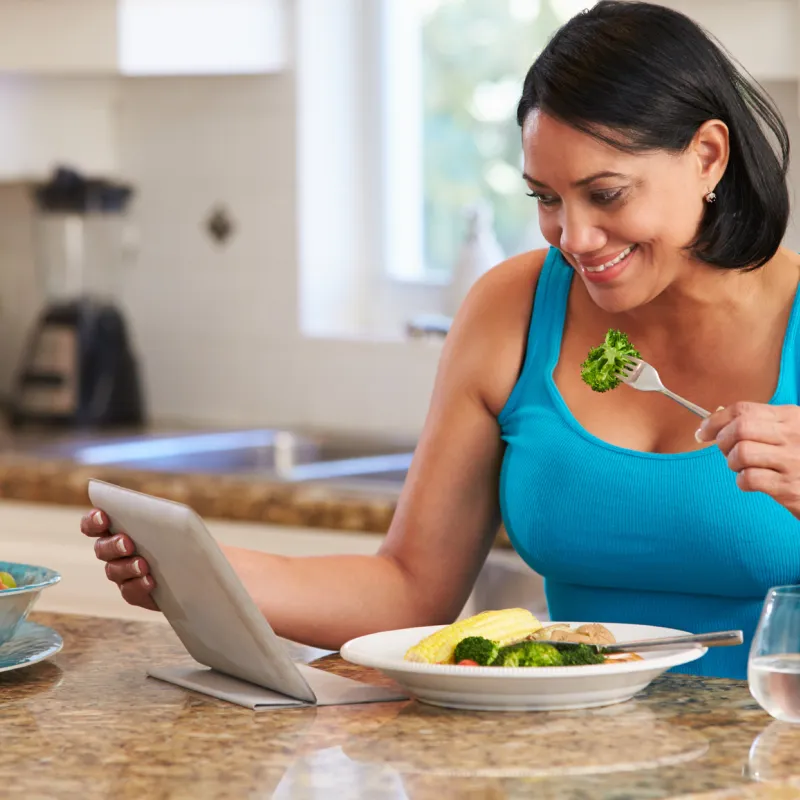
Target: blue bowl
[[16, 603]]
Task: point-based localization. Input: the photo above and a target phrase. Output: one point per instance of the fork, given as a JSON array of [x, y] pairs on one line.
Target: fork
[[715, 639], [642, 376]]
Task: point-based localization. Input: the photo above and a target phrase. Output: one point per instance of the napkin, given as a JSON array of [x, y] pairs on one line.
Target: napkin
[[329, 689]]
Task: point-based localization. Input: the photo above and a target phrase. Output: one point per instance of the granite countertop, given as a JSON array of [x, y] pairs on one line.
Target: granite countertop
[[35, 479], [31, 470], [41, 480], [88, 723]]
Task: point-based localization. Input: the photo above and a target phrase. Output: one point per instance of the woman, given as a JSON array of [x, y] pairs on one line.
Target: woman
[[665, 206]]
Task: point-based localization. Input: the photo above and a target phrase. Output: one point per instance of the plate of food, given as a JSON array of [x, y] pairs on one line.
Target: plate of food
[[507, 660]]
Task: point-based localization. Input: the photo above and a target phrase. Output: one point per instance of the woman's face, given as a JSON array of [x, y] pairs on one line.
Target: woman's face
[[621, 220]]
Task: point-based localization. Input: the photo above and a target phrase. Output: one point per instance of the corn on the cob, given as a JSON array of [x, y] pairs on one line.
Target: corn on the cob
[[504, 627]]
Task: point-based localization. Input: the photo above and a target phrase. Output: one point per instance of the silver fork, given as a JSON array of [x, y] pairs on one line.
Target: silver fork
[[640, 375]]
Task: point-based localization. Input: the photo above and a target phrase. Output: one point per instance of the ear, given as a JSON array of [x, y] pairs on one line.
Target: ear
[[711, 146]]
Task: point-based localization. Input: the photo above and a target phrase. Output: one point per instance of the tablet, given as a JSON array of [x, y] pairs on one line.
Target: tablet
[[198, 591]]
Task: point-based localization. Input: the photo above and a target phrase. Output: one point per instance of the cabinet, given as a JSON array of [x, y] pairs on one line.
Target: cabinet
[[142, 37], [58, 36], [197, 37]]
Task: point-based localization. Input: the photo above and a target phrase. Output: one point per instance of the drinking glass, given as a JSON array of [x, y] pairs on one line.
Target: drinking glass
[[773, 669]]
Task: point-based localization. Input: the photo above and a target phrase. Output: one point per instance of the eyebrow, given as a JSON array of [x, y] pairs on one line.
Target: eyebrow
[[583, 181]]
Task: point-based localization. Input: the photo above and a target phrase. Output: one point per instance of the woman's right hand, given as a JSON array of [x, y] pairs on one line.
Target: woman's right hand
[[123, 566]]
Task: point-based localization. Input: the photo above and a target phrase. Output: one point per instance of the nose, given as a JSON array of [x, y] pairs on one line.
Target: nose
[[579, 234]]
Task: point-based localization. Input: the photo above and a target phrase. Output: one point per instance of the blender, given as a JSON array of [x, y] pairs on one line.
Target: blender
[[78, 368]]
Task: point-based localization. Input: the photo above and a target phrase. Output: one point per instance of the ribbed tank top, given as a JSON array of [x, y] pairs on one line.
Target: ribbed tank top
[[621, 535]]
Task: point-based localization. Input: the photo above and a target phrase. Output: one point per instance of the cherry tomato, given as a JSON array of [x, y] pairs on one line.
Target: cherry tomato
[[467, 662]]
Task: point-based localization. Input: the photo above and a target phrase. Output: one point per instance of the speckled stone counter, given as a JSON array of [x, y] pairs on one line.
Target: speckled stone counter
[[90, 724], [213, 496]]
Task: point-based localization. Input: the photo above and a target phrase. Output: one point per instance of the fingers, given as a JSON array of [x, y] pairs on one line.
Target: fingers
[[742, 421], [749, 454], [135, 582], [712, 425], [111, 548], [755, 479], [761, 444], [721, 419], [759, 428], [129, 571], [107, 547], [95, 523], [126, 569], [136, 592]]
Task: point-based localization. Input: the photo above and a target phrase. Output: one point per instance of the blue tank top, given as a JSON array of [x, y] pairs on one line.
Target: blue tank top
[[622, 535]]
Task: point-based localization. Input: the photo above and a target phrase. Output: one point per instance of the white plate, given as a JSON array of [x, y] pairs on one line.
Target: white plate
[[518, 688]]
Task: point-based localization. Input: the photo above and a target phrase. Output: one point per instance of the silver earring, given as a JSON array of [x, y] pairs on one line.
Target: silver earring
[[711, 197]]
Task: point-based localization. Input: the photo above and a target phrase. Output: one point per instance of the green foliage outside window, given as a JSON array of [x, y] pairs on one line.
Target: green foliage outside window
[[475, 56]]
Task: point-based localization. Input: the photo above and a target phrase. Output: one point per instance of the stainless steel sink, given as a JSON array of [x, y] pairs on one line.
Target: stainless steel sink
[[262, 453]]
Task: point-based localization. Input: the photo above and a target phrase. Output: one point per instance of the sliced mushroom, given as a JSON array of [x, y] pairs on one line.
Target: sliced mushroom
[[570, 636], [592, 633], [546, 633], [597, 633]]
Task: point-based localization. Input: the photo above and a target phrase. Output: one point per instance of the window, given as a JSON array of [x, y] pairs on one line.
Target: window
[[453, 71]]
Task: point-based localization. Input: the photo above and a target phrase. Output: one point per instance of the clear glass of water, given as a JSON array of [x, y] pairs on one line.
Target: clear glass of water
[[773, 670]]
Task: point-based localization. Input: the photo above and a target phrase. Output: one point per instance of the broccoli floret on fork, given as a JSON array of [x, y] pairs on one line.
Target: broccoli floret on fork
[[602, 368]]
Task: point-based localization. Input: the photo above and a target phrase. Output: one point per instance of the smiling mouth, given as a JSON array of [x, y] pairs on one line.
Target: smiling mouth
[[614, 261]]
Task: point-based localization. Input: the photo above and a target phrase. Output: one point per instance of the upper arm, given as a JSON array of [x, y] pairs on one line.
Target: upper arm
[[448, 513]]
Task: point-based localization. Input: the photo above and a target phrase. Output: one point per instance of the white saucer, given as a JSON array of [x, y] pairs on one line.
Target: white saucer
[[29, 645]]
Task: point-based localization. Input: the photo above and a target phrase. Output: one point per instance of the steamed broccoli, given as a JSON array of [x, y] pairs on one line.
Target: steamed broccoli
[[476, 648], [528, 654], [603, 365], [577, 655]]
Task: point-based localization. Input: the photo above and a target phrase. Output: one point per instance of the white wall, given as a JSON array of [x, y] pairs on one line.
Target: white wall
[[217, 326], [48, 118], [785, 95], [740, 24]]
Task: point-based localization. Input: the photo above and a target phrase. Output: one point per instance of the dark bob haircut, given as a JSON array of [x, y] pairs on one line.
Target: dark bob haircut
[[642, 77]]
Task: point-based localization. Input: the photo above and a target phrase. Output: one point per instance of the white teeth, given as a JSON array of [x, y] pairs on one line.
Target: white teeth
[[604, 267]]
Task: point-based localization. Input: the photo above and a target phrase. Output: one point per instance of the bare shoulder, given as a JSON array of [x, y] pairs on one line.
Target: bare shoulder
[[786, 271], [791, 257], [489, 332]]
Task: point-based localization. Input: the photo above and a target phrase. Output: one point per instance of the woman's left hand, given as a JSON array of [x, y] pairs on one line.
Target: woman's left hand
[[762, 445]]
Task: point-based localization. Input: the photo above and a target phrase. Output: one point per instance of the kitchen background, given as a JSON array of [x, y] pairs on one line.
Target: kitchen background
[[315, 184], [296, 319]]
